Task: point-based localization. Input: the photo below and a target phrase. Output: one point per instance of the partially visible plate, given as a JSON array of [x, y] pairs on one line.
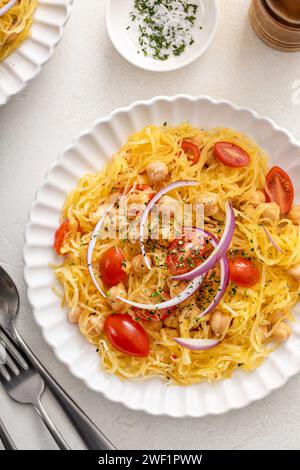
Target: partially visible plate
[[88, 154], [26, 62]]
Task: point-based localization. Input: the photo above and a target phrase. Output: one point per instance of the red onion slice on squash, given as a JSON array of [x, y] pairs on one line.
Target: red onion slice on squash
[[272, 240], [224, 281], [219, 252], [197, 344], [184, 295], [7, 7], [205, 344], [151, 204], [91, 247]]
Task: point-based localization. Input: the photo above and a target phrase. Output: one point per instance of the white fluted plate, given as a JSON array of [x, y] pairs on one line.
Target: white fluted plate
[[26, 62], [88, 154]]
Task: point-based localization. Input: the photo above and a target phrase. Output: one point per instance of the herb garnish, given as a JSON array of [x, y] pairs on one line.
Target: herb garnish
[[164, 27]]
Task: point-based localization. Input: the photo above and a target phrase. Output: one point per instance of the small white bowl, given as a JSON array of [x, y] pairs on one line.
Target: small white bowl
[[118, 19]]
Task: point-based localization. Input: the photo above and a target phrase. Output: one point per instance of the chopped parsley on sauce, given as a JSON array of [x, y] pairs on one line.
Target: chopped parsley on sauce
[[164, 27]]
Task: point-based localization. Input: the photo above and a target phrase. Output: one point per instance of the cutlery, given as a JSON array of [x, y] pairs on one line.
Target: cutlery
[[9, 308], [24, 385], [7, 441]]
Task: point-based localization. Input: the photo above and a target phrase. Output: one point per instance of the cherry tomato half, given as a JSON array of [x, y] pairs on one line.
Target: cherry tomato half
[[111, 267], [186, 253], [126, 335], [231, 155], [192, 151], [280, 189], [59, 236], [243, 272]]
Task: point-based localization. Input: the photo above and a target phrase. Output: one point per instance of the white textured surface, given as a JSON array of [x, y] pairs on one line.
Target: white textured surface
[[87, 155], [86, 79]]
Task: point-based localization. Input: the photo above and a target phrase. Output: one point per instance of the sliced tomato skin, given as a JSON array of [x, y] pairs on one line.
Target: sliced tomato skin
[[127, 335], [280, 189], [111, 267], [59, 236], [231, 154], [192, 151], [185, 254], [243, 272]]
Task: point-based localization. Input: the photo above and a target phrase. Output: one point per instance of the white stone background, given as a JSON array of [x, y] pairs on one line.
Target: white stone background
[[87, 79]]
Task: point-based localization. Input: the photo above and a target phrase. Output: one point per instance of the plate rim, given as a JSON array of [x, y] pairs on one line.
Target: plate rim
[[68, 5], [126, 109]]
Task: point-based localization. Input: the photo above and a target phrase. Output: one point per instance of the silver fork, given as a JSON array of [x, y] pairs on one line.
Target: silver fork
[[24, 385]]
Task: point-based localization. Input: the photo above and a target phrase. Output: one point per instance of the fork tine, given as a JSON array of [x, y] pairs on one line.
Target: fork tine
[[11, 347], [4, 373], [10, 364]]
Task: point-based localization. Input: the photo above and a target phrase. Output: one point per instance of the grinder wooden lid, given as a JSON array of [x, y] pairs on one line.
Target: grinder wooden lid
[[285, 11], [277, 23]]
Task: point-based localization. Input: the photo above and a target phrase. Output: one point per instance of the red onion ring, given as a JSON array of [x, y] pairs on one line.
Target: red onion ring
[[218, 253], [272, 240], [205, 344], [197, 344], [91, 247], [162, 192], [184, 295], [224, 275], [7, 7], [195, 282]]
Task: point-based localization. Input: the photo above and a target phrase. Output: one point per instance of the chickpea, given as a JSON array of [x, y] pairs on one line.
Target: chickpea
[[157, 171], [74, 314], [294, 271], [294, 215], [210, 157], [115, 304], [271, 211], [197, 139], [275, 316], [142, 179], [168, 206], [262, 332], [281, 332], [171, 321], [133, 210], [257, 198], [138, 265], [210, 202], [95, 325], [220, 322]]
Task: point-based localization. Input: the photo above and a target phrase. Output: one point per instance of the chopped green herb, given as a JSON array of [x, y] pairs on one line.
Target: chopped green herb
[[164, 27]]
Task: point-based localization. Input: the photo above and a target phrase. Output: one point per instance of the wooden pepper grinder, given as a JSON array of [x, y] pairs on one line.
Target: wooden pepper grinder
[[277, 23]]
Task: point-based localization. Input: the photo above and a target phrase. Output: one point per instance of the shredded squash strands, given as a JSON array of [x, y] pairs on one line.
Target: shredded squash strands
[[249, 307], [15, 25]]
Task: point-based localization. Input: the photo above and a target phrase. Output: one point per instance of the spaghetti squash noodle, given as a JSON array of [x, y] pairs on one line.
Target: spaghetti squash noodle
[[262, 260], [15, 25]]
